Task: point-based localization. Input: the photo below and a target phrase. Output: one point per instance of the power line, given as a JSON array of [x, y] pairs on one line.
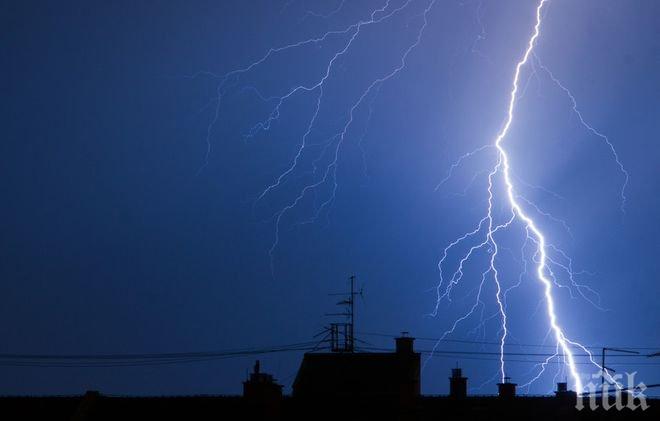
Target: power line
[[465, 341], [540, 361], [130, 360], [493, 353], [118, 356], [156, 359]]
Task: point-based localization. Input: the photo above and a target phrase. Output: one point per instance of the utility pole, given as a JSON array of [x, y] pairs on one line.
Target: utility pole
[[352, 309]]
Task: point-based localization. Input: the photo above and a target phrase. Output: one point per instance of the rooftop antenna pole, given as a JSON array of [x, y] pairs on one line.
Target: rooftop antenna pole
[[345, 330]]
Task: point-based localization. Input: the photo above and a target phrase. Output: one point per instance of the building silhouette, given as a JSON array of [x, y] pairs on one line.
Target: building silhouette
[[391, 375]]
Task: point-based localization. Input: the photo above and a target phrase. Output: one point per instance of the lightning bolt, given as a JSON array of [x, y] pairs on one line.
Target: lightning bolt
[[483, 240], [487, 229], [323, 174], [533, 232], [337, 140]]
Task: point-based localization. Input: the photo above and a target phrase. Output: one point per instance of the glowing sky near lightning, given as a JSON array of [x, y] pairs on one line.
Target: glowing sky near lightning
[[533, 233]]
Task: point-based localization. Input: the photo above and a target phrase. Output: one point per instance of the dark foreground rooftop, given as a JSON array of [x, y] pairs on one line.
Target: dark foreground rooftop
[[94, 406], [341, 385]]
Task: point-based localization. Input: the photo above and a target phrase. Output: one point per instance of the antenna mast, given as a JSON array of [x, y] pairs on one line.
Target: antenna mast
[[342, 335]]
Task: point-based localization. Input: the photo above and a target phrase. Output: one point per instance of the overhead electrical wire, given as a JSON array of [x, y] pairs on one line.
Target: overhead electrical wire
[[107, 360]]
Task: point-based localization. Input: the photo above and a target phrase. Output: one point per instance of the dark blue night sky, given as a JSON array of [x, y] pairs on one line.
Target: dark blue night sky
[[116, 237]]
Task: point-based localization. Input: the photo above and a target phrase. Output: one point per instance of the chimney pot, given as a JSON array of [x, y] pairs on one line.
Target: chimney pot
[[404, 345]]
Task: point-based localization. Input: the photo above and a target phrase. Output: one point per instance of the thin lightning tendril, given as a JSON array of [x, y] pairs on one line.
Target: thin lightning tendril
[[593, 131], [549, 260], [330, 173]]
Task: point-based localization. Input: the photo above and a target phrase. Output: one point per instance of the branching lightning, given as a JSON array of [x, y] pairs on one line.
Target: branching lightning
[[551, 264], [542, 258]]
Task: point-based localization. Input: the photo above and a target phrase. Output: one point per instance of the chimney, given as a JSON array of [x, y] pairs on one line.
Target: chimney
[[564, 394], [261, 386], [457, 384], [404, 344], [263, 396], [507, 389]]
